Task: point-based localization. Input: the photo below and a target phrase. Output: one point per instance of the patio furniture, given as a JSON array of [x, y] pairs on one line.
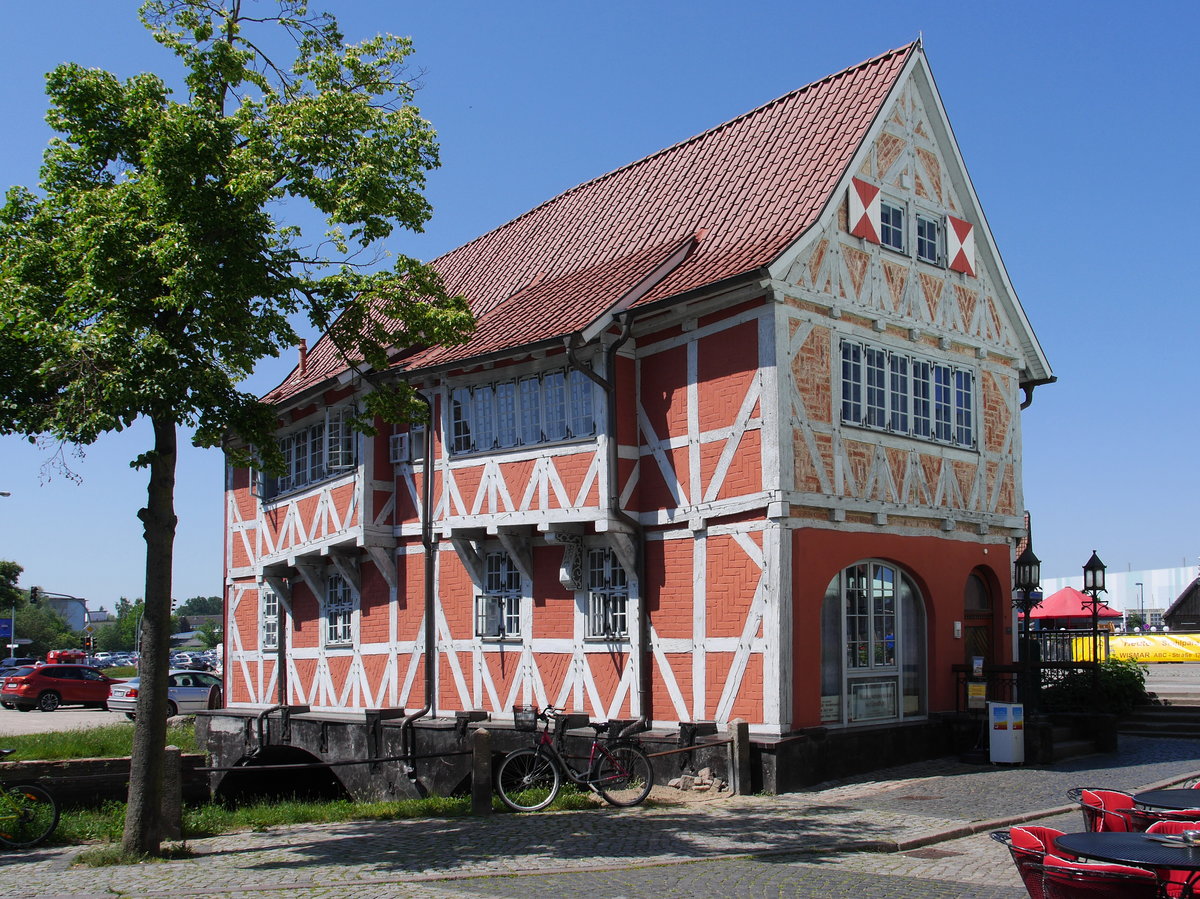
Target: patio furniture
[[1065, 879], [1103, 810]]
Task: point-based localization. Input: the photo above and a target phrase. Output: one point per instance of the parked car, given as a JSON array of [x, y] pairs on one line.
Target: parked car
[[7, 666], [187, 692], [49, 686]]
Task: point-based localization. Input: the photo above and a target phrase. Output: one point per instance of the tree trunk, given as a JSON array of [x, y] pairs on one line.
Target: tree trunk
[[143, 828]]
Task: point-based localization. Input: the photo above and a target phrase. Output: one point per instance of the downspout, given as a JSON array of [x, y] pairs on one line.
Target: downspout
[[609, 385], [407, 737]]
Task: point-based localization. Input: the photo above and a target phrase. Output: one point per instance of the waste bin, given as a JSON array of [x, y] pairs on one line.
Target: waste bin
[[1007, 728]]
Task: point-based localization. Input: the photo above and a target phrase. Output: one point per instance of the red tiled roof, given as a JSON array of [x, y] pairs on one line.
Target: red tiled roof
[[754, 185]]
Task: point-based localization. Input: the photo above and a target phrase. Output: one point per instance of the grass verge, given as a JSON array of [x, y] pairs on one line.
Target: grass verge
[[109, 741]]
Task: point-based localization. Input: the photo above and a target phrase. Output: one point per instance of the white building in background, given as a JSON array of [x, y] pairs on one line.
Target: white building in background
[[1149, 592]]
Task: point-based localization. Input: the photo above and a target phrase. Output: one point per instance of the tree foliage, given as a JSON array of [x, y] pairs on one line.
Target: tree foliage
[[153, 267], [201, 605]]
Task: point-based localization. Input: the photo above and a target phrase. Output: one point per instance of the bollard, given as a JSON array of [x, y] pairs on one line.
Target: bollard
[[172, 795], [481, 772], [739, 757]]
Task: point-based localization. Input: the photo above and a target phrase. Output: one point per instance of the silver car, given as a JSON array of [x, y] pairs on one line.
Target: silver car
[[188, 691]]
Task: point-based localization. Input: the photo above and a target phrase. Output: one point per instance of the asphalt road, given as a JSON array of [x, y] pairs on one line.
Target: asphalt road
[[13, 722]]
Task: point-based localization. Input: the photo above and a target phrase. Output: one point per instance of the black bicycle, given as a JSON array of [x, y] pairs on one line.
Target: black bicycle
[[529, 778], [28, 814]]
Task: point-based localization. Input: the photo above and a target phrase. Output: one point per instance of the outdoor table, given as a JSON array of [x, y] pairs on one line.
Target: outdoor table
[[1169, 799], [1143, 850]]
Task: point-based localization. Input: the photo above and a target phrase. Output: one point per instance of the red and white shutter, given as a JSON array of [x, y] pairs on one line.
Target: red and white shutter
[[864, 210], [960, 245]]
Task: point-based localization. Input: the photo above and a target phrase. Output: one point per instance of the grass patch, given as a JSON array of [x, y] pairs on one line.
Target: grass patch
[[107, 856], [107, 823], [109, 741]]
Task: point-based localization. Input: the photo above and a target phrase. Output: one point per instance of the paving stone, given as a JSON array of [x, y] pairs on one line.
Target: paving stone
[[917, 831]]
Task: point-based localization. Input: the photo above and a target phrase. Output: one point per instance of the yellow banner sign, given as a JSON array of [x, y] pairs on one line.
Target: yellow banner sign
[[1155, 647]]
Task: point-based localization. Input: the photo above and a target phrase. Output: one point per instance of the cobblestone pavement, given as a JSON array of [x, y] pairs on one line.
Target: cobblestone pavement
[[916, 831]]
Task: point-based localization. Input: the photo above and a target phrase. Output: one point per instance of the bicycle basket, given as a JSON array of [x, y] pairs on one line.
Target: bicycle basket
[[525, 718]]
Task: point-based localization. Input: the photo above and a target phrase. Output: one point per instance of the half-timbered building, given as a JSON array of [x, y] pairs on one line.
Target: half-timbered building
[[737, 436]]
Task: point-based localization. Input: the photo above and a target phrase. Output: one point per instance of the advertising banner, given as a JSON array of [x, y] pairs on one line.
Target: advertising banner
[[1155, 647]]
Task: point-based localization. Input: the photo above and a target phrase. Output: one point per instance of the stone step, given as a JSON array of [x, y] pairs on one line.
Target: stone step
[[1066, 749]]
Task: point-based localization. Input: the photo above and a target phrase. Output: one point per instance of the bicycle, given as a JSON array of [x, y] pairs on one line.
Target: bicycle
[[28, 814], [529, 778]]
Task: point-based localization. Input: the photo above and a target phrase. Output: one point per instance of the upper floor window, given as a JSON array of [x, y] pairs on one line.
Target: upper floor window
[[608, 595], [269, 619], [339, 611], [498, 609], [929, 239], [555, 405], [906, 394], [891, 225], [320, 450]]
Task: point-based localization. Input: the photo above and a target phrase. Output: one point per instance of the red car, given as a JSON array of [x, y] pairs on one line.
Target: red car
[[50, 686]]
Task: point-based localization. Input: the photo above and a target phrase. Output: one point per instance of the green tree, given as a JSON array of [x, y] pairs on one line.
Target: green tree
[[152, 270], [201, 605], [210, 635]]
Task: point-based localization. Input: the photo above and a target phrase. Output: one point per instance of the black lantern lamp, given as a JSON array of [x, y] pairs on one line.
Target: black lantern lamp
[[1093, 586], [1027, 577], [1093, 576], [1027, 574]]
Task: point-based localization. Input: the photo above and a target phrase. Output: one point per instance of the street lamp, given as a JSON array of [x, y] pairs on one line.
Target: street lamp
[[1141, 604], [1027, 576], [1093, 586]]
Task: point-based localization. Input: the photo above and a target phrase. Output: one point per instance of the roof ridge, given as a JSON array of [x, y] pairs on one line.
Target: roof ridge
[[874, 60]]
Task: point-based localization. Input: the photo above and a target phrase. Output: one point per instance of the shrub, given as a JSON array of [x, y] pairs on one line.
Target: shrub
[[1121, 687]]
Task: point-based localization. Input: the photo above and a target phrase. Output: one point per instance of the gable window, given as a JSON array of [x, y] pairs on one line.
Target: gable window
[[608, 596], [907, 394], [269, 619], [553, 406], [929, 239], [339, 611], [891, 225], [498, 609]]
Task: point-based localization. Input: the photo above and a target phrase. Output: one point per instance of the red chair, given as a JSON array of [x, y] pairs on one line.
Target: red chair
[[1065, 879], [1175, 883], [1107, 810], [1144, 819], [1029, 846]]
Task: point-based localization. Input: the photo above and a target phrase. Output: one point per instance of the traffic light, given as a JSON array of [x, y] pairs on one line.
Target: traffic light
[[33, 595]]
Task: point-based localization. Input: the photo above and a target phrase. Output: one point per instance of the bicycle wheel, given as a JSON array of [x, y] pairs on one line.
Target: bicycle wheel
[[623, 774], [528, 780], [28, 814]]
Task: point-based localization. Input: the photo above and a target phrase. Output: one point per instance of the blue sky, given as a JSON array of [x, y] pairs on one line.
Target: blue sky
[[1076, 122]]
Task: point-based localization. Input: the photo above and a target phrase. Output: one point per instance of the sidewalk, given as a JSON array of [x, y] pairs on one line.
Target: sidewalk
[[921, 824]]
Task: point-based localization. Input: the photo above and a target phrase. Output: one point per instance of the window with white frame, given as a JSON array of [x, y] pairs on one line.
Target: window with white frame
[[929, 238], [545, 408], [891, 225], [498, 608], [269, 618], [339, 611], [608, 595], [906, 394], [873, 646], [320, 450]]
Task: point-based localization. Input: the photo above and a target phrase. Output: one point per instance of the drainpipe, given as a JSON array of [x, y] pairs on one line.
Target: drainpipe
[[609, 386], [407, 737]]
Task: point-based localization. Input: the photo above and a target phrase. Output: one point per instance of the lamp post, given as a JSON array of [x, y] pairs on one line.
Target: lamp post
[[1027, 576], [1093, 586], [1141, 604]]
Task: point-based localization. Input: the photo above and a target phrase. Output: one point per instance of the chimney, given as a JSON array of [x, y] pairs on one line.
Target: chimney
[[303, 356]]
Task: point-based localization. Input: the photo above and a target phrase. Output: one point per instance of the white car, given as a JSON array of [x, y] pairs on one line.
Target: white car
[[189, 691]]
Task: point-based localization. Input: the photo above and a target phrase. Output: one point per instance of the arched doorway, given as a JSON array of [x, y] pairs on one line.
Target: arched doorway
[[978, 620], [873, 647]]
